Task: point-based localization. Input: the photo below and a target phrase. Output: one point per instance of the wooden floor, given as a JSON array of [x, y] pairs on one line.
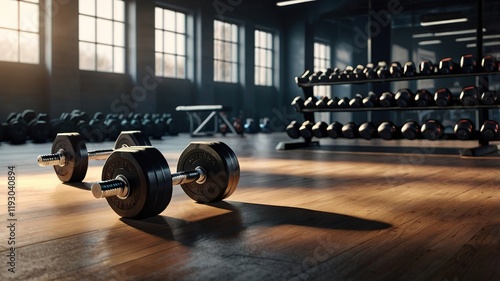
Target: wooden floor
[[323, 214]]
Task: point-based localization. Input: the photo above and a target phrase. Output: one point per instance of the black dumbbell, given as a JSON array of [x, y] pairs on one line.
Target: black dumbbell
[[69, 155], [305, 129], [17, 130], [310, 102], [319, 129], [447, 66], [371, 100], [490, 97], [369, 71], [423, 98], [383, 70], [29, 115], [304, 78], [343, 102], [426, 67], [334, 130], [464, 129], [322, 102], [409, 69], [38, 130], [334, 77], [350, 130], [468, 63], [347, 74], [432, 130], [325, 77], [265, 125], [404, 98], [386, 99], [314, 78], [443, 97], [292, 130], [410, 130], [173, 129], [367, 130], [489, 64], [114, 128], [469, 96], [356, 102], [251, 126], [396, 70], [207, 172], [387, 130], [489, 130], [333, 103], [60, 126], [358, 72]]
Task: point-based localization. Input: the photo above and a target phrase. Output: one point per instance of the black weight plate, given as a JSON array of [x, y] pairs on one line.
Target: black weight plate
[[132, 138], [221, 172], [235, 169], [76, 155], [134, 164], [164, 179]]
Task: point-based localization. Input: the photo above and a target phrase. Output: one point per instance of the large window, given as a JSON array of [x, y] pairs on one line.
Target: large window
[[19, 31], [225, 52], [170, 43], [321, 63], [263, 58], [102, 35]]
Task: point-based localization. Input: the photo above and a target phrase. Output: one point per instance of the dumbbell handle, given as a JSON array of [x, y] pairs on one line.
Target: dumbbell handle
[[59, 158], [119, 185]]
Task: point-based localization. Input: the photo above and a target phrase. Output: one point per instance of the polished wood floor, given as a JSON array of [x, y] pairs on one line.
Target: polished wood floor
[[308, 214]]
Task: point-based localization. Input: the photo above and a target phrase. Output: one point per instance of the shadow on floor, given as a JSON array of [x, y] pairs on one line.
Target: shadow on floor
[[243, 215]]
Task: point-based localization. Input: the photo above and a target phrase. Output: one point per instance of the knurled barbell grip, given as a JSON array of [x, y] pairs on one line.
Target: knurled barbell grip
[[59, 157], [119, 186]]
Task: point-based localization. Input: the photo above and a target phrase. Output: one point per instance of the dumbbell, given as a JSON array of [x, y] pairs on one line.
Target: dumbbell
[[423, 98], [371, 100], [310, 102], [386, 99], [432, 130], [305, 129], [410, 130], [334, 130], [319, 129], [468, 63], [137, 182], [369, 71], [334, 77], [367, 130], [426, 67], [464, 129], [350, 130], [38, 130], [314, 78], [29, 115], [447, 66], [469, 96], [322, 102], [70, 157], [490, 97], [265, 125], [489, 130], [356, 102], [358, 72], [251, 126], [387, 130], [410, 69], [325, 77], [443, 97], [404, 98], [17, 129], [347, 74], [292, 130], [333, 103], [343, 102], [383, 70], [396, 70], [489, 64]]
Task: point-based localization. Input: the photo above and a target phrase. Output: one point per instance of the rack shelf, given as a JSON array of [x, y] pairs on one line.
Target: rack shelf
[[396, 108]]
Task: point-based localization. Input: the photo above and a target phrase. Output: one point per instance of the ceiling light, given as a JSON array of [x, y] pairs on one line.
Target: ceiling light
[[422, 35], [437, 19], [292, 2], [457, 32], [473, 38], [485, 44], [429, 42]]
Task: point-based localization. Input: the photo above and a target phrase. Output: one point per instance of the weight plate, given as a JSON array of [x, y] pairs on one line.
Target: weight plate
[[221, 167], [76, 157], [164, 179], [132, 138], [134, 164]]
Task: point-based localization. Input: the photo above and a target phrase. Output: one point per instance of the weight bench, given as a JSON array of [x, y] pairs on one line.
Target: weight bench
[[215, 112]]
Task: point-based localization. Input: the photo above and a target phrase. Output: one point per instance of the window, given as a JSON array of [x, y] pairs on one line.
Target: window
[[170, 43], [20, 31], [225, 52], [102, 35], [263, 58], [321, 63]]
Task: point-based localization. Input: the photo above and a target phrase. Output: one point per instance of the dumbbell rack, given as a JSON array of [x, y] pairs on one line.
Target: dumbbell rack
[[307, 88]]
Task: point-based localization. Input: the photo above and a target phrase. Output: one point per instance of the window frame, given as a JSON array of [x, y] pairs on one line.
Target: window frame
[[325, 63], [271, 60], [234, 64]]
